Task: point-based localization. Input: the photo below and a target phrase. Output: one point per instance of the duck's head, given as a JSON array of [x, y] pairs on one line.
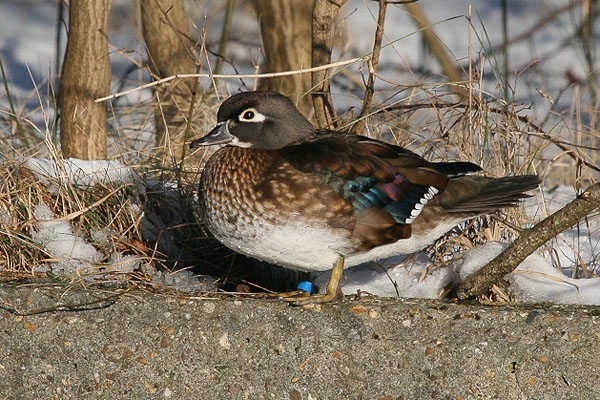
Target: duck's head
[[261, 119]]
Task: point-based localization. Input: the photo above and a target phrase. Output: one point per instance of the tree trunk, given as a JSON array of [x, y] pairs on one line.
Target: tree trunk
[[166, 33], [285, 27], [324, 15], [86, 75]]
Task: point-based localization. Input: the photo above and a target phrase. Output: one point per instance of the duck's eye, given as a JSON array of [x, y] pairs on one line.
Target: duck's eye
[[251, 115]]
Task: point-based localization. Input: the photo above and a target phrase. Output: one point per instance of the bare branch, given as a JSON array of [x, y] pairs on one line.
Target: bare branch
[[528, 242], [373, 65]]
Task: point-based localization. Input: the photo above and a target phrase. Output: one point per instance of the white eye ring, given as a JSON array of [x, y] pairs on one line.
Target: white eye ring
[[251, 115]]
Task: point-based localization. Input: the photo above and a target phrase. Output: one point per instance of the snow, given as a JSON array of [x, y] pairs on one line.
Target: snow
[[81, 173], [474, 259], [390, 278], [534, 281], [59, 238], [71, 251]]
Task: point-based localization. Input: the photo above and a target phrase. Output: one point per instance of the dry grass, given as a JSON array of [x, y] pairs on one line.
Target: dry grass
[[18, 189], [101, 208]]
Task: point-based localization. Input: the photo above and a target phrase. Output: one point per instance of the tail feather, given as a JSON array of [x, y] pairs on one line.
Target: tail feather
[[477, 194]]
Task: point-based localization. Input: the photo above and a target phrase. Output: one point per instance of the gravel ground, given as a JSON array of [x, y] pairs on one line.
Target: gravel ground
[[139, 345]]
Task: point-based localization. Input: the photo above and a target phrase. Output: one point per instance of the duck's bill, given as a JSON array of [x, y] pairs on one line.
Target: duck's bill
[[219, 135]]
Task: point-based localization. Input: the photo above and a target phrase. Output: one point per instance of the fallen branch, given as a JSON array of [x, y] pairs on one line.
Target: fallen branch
[[481, 281]]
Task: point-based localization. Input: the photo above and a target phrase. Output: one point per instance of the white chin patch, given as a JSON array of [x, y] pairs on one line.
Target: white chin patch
[[237, 142]]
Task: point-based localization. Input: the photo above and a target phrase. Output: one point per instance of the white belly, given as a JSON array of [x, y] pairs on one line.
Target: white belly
[[316, 249], [289, 246]]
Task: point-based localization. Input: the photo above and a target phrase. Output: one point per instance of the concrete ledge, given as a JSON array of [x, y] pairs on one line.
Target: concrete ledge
[[156, 347]]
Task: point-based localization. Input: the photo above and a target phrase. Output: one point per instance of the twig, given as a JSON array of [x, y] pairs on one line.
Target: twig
[[373, 65], [190, 114], [528, 242], [587, 39], [505, 73], [84, 210], [233, 76]]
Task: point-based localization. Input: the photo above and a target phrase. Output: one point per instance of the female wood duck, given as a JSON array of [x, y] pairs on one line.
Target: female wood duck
[[309, 200]]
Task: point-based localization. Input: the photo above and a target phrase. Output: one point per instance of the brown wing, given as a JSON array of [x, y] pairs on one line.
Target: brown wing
[[371, 188]]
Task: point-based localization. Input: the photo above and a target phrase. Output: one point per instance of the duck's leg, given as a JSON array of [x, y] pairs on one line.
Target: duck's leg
[[333, 292]]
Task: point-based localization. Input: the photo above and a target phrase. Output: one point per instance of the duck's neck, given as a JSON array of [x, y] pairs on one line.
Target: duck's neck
[[235, 166]]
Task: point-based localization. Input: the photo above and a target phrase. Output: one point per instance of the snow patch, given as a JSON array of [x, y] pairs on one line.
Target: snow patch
[[534, 281], [81, 173], [398, 276], [59, 238]]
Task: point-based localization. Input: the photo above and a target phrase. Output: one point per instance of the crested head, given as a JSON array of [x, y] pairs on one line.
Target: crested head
[[261, 120]]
